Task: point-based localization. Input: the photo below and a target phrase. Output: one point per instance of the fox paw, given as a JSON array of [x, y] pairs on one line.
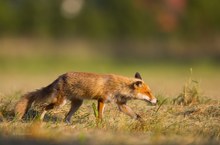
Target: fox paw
[[67, 121]]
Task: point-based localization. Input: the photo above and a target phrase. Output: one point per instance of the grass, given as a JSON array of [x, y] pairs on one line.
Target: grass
[[170, 122], [183, 116]]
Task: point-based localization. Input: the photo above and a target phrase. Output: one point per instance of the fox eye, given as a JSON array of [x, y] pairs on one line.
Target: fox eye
[[137, 84]]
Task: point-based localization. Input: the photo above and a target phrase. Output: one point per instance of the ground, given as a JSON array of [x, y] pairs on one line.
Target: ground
[[188, 111], [187, 118]]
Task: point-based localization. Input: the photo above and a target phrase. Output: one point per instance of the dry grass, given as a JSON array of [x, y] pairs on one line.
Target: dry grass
[[192, 120]]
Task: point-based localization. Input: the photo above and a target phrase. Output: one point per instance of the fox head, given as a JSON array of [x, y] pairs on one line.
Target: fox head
[[142, 91]]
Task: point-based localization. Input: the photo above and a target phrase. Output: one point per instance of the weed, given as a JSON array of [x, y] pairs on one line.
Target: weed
[[190, 94], [95, 110]]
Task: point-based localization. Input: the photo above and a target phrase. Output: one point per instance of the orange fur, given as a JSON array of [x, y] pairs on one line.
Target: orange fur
[[77, 86]]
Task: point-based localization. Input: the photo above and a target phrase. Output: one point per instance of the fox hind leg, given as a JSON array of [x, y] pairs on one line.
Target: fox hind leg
[[61, 102], [47, 108], [75, 104]]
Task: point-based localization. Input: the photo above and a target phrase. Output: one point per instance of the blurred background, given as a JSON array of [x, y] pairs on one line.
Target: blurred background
[[162, 39]]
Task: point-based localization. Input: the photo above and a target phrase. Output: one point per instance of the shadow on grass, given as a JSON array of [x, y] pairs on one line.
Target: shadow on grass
[[34, 114], [8, 115], [31, 141], [88, 141]]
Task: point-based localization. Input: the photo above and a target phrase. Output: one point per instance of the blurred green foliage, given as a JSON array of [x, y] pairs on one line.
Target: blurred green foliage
[[110, 18], [128, 29]]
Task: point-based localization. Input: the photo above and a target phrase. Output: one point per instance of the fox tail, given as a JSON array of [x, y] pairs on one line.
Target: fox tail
[[41, 95]]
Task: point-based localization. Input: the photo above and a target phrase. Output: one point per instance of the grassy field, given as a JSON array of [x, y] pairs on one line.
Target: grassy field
[[187, 119], [188, 111]]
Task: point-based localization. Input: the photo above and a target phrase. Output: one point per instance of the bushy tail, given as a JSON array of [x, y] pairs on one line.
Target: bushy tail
[[38, 96]]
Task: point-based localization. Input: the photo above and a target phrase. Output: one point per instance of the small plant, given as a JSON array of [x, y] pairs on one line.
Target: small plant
[[95, 111], [190, 94], [160, 104]]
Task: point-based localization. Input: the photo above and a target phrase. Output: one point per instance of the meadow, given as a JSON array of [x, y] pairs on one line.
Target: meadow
[[188, 111]]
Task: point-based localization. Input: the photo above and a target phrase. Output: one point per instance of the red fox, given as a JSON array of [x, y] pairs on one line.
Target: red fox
[[77, 86]]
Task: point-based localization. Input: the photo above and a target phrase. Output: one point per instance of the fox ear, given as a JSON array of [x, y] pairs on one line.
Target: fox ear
[[137, 84], [137, 75]]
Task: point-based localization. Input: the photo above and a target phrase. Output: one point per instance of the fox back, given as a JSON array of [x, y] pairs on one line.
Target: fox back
[[107, 86], [77, 86]]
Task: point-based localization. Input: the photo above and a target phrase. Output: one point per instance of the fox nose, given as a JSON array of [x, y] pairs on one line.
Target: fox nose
[[154, 101]]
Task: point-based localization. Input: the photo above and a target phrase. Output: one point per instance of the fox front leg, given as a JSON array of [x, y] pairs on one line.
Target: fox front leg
[[101, 106], [128, 111]]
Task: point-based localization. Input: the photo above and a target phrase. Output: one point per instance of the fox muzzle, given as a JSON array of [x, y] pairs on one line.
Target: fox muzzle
[[154, 101]]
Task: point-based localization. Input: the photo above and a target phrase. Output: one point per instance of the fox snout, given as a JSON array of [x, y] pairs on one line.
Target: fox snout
[[147, 98], [154, 101]]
